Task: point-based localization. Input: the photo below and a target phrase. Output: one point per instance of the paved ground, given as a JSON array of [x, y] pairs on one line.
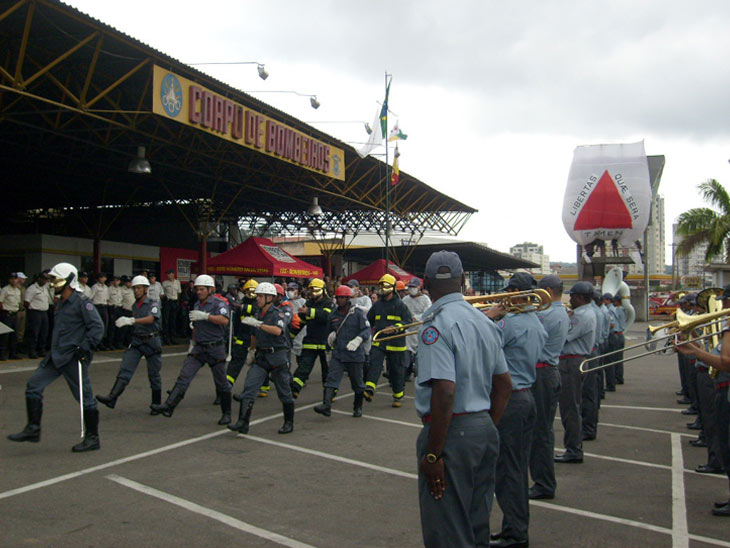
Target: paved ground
[[334, 482]]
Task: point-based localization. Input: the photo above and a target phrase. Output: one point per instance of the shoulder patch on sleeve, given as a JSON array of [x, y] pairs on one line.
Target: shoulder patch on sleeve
[[89, 306], [500, 324], [430, 335], [154, 310], [224, 311]]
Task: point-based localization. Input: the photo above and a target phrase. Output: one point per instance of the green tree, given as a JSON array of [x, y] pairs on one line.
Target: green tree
[[707, 225]]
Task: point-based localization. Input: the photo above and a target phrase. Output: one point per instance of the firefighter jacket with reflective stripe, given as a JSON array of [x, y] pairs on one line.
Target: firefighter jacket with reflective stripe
[[316, 321], [243, 332], [386, 313]]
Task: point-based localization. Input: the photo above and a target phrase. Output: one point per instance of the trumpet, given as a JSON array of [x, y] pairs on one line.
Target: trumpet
[[383, 334], [684, 325], [517, 302]]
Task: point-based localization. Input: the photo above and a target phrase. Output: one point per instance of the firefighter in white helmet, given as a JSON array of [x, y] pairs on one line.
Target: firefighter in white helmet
[[77, 330], [269, 341], [209, 318], [146, 323]]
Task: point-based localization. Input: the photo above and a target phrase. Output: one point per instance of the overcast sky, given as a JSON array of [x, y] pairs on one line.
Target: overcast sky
[[494, 95]]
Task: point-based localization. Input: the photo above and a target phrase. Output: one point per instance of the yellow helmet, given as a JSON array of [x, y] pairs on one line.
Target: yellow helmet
[[249, 288], [316, 287], [387, 279]]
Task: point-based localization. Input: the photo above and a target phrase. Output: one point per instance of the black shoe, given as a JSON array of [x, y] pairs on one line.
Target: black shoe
[[506, 543], [680, 393], [694, 426], [723, 511], [708, 469], [288, 426], [156, 400], [698, 443], [357, 405], [567, 459], [690, 411], [684, 400], [32, 430], [586, 437], [611, 389], [176, 395], [91, 438], [244, 416], [721, 503], [225, 399], [111, 400], [619, 382], [537, 495], [325, 408]]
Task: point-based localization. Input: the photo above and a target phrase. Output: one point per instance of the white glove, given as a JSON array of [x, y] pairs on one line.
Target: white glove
[[190, 346], [250, 358], [331, 339], [124, 321], [354, 344], [250, 320], [198, 315]]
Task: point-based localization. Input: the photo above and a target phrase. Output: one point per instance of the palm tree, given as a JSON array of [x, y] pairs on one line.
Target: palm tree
[[705, 225]]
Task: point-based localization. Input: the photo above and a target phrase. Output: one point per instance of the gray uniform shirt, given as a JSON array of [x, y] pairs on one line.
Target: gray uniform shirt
[[556, 322], [76, 324], [205, 331], [581, 333]]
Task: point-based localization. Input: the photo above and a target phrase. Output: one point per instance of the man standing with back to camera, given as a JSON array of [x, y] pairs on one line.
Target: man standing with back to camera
[[461, 392]]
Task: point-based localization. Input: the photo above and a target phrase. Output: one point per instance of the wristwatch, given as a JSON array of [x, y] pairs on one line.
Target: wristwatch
[[431, 458]]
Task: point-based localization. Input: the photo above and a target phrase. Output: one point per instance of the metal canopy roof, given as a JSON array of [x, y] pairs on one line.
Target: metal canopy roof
[[76, 101], [474, 257]]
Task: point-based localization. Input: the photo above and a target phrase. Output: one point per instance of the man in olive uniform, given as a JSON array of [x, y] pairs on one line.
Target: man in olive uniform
[[37, 304], [271, 345], [313, 315], [10, 303], [77, 331], [388, 312], [146, 323], [100, 298], [209, 318]]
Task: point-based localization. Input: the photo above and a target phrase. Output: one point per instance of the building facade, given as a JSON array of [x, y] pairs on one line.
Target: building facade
[[529, 251], [655, 257], [689, 270]]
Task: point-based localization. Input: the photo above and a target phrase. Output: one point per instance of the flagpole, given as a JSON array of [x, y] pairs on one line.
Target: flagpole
[[387, 181]]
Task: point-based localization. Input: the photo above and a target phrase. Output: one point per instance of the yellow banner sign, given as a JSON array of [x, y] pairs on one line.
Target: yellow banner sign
[[186, 102]]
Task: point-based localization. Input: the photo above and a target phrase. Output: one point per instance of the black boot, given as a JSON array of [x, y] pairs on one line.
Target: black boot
[[91, 439], [176, 395], [244, 415], [325, 408], [225, 398], [111, 400], [357, 405], [32, 430], [156, 400], [217, 400], [288, 426]]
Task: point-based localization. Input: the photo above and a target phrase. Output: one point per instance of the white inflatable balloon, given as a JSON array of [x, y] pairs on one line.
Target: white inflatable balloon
[[608, 196]]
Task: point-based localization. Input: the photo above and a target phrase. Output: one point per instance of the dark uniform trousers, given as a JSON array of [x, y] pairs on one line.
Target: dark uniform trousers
[[590, 399], [396, 364], [620, 342], [722, 413], [9, 340], [215, 356], [354, 371], [239, 351], [461, 517], [114, 336], [47, 372], [103, 311], [515, 438], [690, 376], [268, 364], [683, 374], [615, 342], [36, 331], [124, 334], [708, 415], [571, 393], [545, 391], [305, 364], [151, 349], [170, 309]]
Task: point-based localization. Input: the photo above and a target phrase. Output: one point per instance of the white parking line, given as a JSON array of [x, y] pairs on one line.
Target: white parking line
[[679, 506], [633, 407], [207, 512], [20, 369]]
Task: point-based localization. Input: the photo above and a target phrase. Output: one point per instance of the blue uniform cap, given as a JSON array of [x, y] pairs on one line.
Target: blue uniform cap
[[415, 282], [522, 281], [353, 283], [551, 281], [608, 296], [582, 288], [443, 265], [725, 294]]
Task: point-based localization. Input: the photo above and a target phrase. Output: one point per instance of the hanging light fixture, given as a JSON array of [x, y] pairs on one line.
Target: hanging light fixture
[[368, 129], [259, 66], [313, 101], [262, 72], [314, 209], [140, 164]]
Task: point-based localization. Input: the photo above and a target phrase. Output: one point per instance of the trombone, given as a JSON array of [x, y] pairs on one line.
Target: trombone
[[683, 325], [517, 302]]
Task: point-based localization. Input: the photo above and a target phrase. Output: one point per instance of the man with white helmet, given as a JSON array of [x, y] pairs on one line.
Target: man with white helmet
[[269, 341], [77, 331], [146, 325], [210, 318]]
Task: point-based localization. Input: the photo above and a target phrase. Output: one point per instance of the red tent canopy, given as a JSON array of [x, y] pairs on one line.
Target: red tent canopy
[[375, 270], [261, 257]]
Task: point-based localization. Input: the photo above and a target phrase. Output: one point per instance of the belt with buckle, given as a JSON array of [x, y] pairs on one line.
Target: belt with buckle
[[209, 344], [272, 349], [543, 364], [146, 335]]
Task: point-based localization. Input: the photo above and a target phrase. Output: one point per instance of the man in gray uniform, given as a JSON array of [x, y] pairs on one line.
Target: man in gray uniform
[[76, 332], [146, 323], [590, 395], [208, 345], [461, 392], [270, 346], [546, 391], [523, 338], [620, 315], [349, 328], [577, 347]]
